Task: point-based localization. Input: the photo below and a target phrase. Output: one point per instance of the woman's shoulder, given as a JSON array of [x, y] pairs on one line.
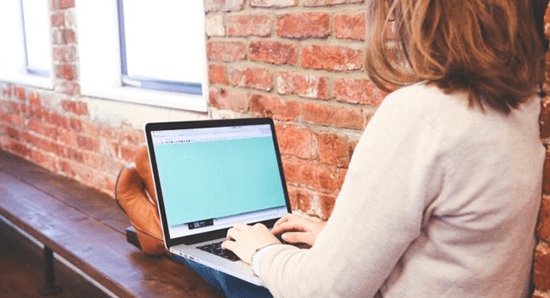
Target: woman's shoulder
[[424, 97]]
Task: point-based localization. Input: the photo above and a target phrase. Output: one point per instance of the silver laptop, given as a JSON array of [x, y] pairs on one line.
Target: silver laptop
[[209, 175]]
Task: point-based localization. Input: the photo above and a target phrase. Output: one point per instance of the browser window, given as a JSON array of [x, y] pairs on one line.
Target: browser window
[[228, 168]]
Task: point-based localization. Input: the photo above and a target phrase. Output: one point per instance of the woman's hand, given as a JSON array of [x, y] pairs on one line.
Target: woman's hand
[[243, 240], [297, 229]]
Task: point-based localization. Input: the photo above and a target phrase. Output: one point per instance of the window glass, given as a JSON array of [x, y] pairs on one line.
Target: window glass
[[161, 43], [37, 36]]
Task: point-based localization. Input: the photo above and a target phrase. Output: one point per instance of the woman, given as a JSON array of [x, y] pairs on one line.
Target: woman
[[443, 190]]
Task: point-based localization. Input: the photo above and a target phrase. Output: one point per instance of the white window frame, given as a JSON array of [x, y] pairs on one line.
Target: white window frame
[[100, 61], [13, 61]]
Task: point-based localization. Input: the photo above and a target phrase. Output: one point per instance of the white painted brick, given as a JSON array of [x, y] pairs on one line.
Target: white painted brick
[[214, 24]]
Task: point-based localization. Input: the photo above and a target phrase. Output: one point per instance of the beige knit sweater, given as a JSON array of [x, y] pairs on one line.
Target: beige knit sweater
[[440, 200]]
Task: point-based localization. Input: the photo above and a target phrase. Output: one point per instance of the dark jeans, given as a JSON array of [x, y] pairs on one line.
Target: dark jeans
[[231, 286]]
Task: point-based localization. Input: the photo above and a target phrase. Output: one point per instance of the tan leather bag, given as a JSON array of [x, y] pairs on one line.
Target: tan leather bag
[[135, 195]]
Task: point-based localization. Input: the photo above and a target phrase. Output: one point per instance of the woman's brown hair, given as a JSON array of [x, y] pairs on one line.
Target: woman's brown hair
[[493, 50]]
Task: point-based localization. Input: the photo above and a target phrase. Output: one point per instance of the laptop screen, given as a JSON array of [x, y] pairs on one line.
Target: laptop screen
[[212, 177]]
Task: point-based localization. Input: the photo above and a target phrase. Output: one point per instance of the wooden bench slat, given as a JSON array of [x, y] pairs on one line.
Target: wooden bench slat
[[91, 245], [90, 201]]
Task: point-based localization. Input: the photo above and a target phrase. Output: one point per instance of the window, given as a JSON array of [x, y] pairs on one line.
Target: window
[[145, 52], [25, 55], [157, 53], [36, 30]]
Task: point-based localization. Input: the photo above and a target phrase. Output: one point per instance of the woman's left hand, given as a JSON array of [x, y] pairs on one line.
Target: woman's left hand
[[243, 240]]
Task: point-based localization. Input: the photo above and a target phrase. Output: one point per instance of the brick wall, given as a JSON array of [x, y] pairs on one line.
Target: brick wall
[[298, 61]]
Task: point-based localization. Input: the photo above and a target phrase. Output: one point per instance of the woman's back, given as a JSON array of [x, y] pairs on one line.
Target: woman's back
[[476, 238]]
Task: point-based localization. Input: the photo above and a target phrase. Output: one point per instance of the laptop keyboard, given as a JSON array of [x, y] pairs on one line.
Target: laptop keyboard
[[216, 248]]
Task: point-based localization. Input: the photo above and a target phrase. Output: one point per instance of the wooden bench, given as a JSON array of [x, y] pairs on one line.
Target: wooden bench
[[85, 228]]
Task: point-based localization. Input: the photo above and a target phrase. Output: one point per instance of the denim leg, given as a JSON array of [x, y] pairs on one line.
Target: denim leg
[[232, 287]]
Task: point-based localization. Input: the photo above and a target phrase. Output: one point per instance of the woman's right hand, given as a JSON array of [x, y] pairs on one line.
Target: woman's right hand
[[297, 229]]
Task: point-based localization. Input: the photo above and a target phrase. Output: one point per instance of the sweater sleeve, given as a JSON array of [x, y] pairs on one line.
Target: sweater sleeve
[[395, 173]]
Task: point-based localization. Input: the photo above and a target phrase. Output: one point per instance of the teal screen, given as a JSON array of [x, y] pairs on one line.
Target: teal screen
[[206, 180]]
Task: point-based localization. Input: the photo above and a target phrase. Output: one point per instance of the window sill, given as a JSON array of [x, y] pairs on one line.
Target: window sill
[[172, 100], [29, 80]]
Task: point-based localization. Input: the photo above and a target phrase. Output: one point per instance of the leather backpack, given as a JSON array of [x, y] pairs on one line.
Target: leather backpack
[[135, 195]]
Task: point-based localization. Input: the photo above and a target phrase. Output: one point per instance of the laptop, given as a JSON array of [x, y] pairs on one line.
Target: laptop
[[209, 175]]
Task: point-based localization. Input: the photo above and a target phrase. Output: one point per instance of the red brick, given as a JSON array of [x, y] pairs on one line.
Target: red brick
[[58, 19], [68, 36], [68, 138], [57, 36], [295, 141], [116, 148], [39, 113], [13, 133], [69, 106], [543, 227], [343, 173], [6, 91], [300, 198], [5, 118], [106, 184], [18, 120], [545, 118], [326, 203], [44, 160], [129, 153], [93, 160], [133, 136], [229, 100], [333, 115], [538, 294], [67, 168], [223, 5], [65, 54], [328, 2], [91, 128], [361, 91], [217, 74], [303, 25], [305, 85], [4, 106], [258, 78], [19, 93], [76, 124], [350, 26], [273, 3], [109, 133], [13, 107], [311, 175], [249, 25], [64, 4], [273, 52], [546, 175], [34, 99], [275, 107], [541, 270], [87, 143], [65, 71], [43, 129], [81, 108], [44, 144], [331, 58], [17, 148], [59, 120], [55, 5], [333, 149], [227, 51], [74, 155], [69, 88]]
